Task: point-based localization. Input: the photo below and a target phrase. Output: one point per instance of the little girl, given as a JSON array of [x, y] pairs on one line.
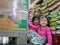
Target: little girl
[[35, 21], [43, 29]]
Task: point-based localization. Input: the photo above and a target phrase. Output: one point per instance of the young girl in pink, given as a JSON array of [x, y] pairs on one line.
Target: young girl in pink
[[35, 21], [43, 29]]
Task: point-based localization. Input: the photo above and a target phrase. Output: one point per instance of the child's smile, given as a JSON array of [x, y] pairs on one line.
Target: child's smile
[[43, 22]]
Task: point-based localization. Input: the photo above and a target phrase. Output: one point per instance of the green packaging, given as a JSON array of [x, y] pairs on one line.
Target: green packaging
[[58, 31], [58, 21], [53, 19], [53, 23], [58, 17], [53, 32], [58, 27], [53, 27]]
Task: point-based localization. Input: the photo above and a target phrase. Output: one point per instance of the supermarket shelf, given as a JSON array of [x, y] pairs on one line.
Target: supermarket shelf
[[12, 33], [21, 35], [19, 29]]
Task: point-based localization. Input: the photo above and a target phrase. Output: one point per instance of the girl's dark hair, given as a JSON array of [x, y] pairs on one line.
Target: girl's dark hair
[[35, 17], [40, 1], [48, 19]]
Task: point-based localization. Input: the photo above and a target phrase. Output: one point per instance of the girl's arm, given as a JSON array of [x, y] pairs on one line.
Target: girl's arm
[[30, 25], [49, 36]]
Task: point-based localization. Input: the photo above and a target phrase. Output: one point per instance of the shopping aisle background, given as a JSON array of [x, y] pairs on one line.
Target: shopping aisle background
[[50, 8]]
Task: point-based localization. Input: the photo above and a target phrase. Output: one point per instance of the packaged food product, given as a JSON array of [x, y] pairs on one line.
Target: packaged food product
[[58, 27], [53, 27], [58, 21], [57, 31], [53, 23], [46, 10], [53, 14], [39, 40], [42, 8], [59, 10], [4, 25], [51, 3], [53, 31], [58, 17], [53, 19]]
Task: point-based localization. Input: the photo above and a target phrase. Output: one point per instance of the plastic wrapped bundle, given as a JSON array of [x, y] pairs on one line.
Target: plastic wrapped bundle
[[33, 33], [53, 27], [53, 23], [53, 20], [58, 22], [58, 17], [58, 27], [39, 40], [36, 38]]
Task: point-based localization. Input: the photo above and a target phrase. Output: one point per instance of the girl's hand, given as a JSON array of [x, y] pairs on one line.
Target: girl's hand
[[38, 31], [47, 44]]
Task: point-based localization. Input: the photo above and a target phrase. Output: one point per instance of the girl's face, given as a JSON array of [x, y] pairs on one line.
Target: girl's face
[[43, 22], [36, 21]]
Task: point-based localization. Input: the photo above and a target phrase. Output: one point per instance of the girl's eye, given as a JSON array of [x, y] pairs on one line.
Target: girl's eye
[[43, 20]]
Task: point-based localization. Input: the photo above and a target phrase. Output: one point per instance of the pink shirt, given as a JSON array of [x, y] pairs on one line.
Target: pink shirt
[[43, 32]]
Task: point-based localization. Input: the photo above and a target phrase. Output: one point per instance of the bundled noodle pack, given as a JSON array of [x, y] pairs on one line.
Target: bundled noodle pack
[[36, 38]]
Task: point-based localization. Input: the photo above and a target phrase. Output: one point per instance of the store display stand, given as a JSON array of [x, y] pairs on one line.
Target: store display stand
[[17, 12], [21, 36]]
